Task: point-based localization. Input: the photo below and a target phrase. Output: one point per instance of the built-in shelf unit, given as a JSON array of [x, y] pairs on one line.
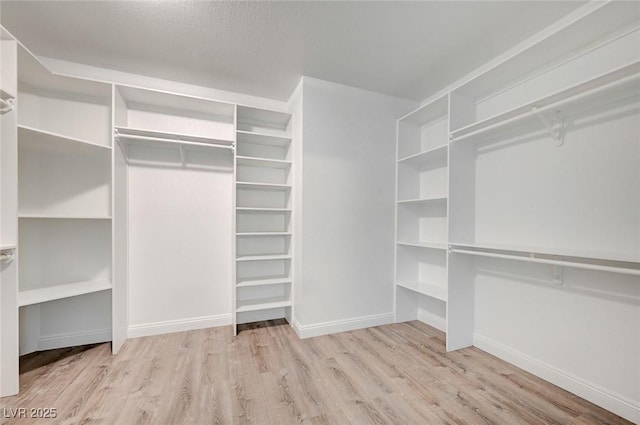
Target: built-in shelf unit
[[263, 221]]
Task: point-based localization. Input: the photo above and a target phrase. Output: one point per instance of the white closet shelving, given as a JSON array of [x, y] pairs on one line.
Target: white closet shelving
[[488, 170], [64, 206], [421, 212], [263, 224]]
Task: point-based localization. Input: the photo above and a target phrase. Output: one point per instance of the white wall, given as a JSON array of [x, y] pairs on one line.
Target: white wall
[[345, 258]]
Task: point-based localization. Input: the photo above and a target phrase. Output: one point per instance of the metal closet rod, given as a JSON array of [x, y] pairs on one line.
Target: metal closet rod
[[174, 141]]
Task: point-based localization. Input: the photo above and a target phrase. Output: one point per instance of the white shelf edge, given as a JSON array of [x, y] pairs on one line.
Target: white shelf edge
[[7, 247], [265, 135], [263, 234], [428, 245], [432, 290], [61, 136], [557, 258], [262, 304], [259, 209], [275, 186], [263, 282], [124, 131], [64, 217], [263, 162], [423, 200], [6, 94], [547, 102], [263, 258], [428, 152], [57, 292]]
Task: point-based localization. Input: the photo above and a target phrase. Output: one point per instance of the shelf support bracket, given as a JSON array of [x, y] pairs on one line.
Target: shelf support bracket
[[6, 105], [555, 128]]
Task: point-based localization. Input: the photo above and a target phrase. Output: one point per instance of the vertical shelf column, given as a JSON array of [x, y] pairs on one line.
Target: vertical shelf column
[[421, 281], [8, 222], [263, 222]]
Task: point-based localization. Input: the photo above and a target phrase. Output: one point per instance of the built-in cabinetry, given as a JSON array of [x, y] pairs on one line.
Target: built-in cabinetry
[[114, 194], [528, 174], [263, 216]]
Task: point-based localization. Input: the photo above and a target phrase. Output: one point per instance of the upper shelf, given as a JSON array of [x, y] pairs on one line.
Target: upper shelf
[[30, 138], [428, 113], [601, 20], [432, 154], [57, 292], [262, 139], [623, 81], [249, 118], [602, 261], [262, 162], [143, 135]]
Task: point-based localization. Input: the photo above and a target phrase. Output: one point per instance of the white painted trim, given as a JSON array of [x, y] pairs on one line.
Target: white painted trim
[[433, 320], [616, 403], [335, 326], [169, 326], [51, 342]]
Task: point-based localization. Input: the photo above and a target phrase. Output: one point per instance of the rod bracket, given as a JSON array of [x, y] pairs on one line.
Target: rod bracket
[[6, 105], [554, 128]]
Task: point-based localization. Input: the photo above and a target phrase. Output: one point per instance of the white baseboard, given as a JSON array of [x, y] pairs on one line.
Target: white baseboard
[[433, 320], [335, 326], [615, 403], [170, 326], [51, 342]]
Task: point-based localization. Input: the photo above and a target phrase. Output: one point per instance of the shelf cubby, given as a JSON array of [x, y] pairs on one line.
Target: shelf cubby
[[422, 264], [423, 179], [192, 117], [57, 252], [422, 222], [262, 244], [64, 106], [59, 176], [262, 121], [424, 130]]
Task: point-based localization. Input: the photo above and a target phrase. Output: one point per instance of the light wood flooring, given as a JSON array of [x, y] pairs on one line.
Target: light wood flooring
[[393, 374]]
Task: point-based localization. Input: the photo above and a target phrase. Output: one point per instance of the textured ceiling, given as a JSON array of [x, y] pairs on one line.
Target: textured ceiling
[[405, 49]]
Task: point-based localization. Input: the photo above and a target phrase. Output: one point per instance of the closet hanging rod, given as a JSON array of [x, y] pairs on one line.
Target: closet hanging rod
[[564, 263], [533, 109], [174, 141]]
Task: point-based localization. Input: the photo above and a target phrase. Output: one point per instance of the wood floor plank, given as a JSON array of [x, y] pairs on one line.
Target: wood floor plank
[[393, 374]]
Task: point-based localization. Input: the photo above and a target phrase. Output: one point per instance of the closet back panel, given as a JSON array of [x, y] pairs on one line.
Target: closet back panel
[[83, 117], [59, 251], [180, 242]]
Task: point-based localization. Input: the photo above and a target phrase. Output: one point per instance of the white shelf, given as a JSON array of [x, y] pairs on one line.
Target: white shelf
[[261, 210], [7, 247], [426, 288], [124, 132], [263, 186], [428, 113], [263, 117], [36, 139], [262, 139], [264, 257], [57, 292], [263, 234], [428, 245], [622, 80], [145, 98], [432, 154], [262, 282], [600, 261], [419, 201], [64, 217], [262, 304], [262, 162]]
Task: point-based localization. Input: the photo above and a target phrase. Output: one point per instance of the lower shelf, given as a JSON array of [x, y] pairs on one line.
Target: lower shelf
[[425, 288], [57, 292], [262, 282], [262, 304]]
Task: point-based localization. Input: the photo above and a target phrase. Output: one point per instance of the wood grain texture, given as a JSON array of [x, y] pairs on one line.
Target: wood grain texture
[[393, 374]]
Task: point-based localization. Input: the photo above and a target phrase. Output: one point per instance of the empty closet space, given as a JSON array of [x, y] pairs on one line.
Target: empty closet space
[[178, 189], [64, 207], [263, 224]]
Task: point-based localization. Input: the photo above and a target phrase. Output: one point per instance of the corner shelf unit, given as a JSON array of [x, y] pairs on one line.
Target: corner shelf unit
[[421, 213], [470, 189], [263, 219]]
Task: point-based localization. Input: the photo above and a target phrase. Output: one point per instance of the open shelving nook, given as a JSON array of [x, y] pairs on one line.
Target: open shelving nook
[[421, 214], [263, 226]]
